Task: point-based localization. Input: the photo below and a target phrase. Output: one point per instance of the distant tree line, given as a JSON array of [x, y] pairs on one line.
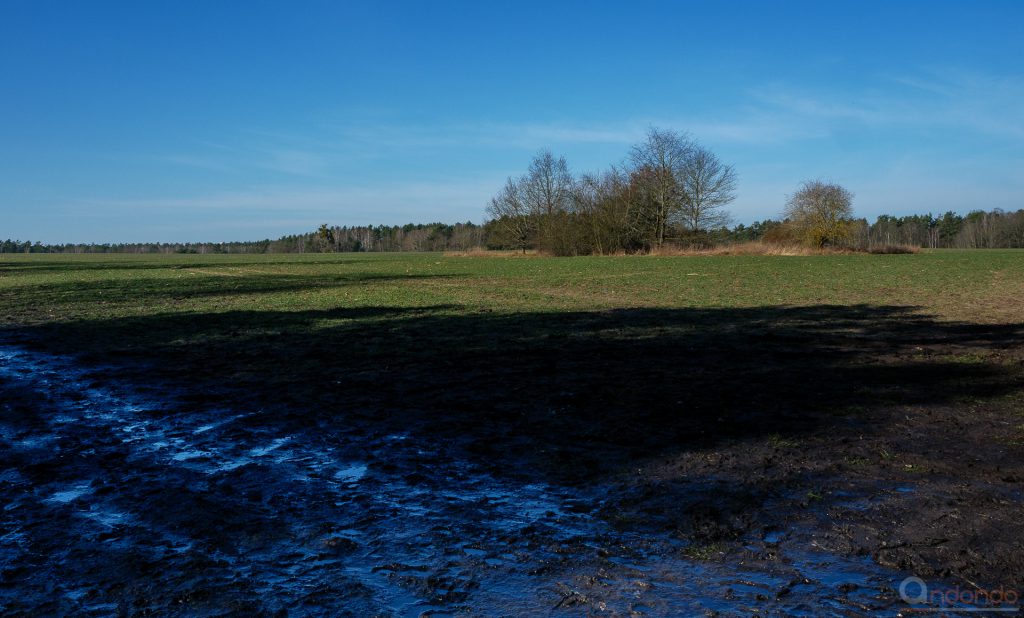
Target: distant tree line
[[409, 237], [327, 239], [618, 211], [978, 229]]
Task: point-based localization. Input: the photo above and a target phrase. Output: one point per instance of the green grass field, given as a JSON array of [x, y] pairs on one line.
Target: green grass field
[[306, 321], [34, 289]]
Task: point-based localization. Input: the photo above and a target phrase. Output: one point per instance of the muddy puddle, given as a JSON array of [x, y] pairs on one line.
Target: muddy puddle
[[120, 501]]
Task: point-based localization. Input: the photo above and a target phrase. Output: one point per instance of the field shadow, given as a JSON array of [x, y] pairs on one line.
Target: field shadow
[[569, 394], [146, 262], [191, 283]]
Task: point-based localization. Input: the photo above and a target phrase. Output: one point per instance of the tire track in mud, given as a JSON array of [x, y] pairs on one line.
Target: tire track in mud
[[119, 501]]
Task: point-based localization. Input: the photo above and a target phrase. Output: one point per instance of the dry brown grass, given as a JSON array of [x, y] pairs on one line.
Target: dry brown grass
[[888, 249], [481, 252], [768, 248], [746, 248], [750, 248]]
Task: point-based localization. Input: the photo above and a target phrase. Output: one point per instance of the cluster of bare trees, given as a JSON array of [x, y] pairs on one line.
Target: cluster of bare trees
[[669, 189]]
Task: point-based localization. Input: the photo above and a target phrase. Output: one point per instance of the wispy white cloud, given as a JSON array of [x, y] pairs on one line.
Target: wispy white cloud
[[295, 162], [529, 135], [954, 99], [337, 147], [773, 113], [754, 127], [316, 165], [807, 106], [749, 125], [281, 154], [391, 203]]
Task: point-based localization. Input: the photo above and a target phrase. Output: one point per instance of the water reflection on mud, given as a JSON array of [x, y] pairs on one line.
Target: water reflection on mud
[[115, 502]]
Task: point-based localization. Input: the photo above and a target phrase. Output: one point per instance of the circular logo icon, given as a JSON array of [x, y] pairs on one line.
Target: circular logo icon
[[913, 590]]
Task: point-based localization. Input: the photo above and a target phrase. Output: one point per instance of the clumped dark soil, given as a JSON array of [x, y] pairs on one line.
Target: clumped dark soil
[[795, 460]]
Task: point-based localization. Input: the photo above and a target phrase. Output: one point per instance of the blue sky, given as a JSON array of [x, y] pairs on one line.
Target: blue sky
[[167, 121]]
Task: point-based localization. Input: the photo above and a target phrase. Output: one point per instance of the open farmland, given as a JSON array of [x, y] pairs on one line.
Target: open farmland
[[399, 433]]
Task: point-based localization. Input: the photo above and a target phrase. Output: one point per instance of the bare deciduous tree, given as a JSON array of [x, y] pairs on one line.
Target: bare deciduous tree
[[707, 186], [659, 166], [513, 215], [535, 201], [547, 186], [614, 218], [821, 212]]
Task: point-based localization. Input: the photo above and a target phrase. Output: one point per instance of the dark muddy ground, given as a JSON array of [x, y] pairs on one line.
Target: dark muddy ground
[[649, 462]]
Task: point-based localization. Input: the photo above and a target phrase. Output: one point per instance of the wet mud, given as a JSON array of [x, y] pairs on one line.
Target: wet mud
[[118, 503]]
